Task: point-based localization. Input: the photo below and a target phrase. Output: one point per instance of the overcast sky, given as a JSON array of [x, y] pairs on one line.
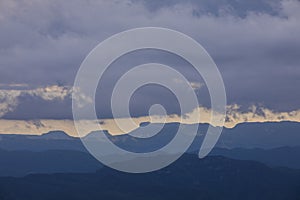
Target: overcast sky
[[255, 44]]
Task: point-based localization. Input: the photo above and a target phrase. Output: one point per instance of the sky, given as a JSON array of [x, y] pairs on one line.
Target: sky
[[255, 45]]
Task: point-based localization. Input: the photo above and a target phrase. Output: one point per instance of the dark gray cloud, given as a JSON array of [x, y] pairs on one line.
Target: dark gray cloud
[[255, 44], [218, 7]]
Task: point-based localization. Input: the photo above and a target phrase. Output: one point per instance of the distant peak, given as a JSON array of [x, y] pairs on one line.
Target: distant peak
[[143, 124], [95, 134], [56, 135]]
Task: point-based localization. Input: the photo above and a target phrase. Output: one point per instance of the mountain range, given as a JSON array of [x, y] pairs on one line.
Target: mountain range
[[211, 178], [274, 144]]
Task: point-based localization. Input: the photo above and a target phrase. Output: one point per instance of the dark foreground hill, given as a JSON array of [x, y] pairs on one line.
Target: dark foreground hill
[[211, 178]]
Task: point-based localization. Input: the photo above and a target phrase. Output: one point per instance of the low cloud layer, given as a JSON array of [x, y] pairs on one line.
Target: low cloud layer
[[233, 118]]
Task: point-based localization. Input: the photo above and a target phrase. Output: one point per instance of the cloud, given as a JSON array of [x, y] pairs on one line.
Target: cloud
[[256, 46], [258, 114], [8, 101], [234, 117], [194, 85], [50, 93], [11, 99], [13, 85]]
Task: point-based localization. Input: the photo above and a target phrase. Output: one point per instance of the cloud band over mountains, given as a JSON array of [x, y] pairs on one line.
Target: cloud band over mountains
[[234, 116], [255, 45]]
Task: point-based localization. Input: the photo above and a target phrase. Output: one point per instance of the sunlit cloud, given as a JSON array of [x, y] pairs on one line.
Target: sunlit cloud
[[10, 98], [234, 116], [8, 101]]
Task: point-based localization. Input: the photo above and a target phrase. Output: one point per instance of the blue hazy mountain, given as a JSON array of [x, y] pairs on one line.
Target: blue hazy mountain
[[274, 144], [54, 140], [188, 178], [247, 135], [56, 135], [277, 157], [261, 135], [21, 163], [266, 135]]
